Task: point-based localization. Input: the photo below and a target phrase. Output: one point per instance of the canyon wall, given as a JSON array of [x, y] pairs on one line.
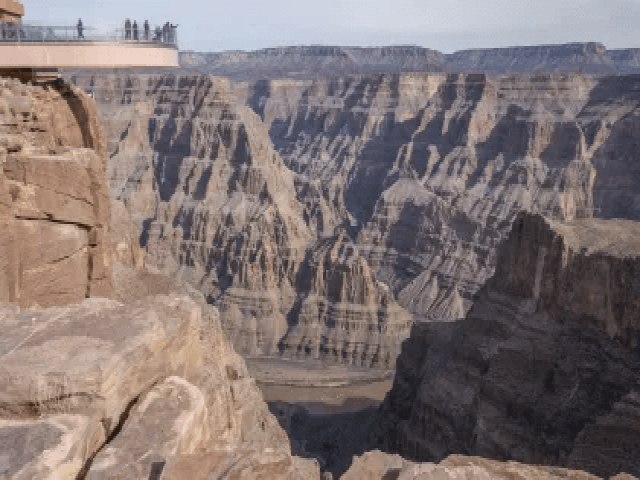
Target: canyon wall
[[544, 368], [429, 170], [303, 218], [216, 206], [415, 178], [142, 385]]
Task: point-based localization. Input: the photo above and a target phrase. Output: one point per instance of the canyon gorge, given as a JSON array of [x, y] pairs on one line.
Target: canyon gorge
[[468, 235], [323, 217]]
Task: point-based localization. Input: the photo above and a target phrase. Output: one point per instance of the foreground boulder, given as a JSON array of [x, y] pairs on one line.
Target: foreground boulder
[[94, 358], [381, 466], [53, 447], [545, 367], [114, 391]]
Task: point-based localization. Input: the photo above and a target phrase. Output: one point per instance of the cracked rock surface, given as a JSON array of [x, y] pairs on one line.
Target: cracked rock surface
[[544, 369], [54, 204]]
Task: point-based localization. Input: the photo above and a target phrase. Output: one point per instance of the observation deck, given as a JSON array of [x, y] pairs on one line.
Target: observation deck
[[34, 47]]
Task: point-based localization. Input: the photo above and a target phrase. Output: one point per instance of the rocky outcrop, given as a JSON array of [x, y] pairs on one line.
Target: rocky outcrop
[[346, 314], [544, 368], [109, 390], [379, 466], [313, 61], [99, 388], [54, 204]]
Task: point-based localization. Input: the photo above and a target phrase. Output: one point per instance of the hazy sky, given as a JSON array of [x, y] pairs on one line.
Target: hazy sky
[[446, 25]]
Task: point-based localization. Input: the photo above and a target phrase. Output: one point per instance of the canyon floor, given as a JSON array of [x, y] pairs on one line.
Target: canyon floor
[[328, 411]]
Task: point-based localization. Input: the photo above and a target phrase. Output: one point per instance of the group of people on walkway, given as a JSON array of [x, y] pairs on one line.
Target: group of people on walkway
[[164, 34], [9, 30]]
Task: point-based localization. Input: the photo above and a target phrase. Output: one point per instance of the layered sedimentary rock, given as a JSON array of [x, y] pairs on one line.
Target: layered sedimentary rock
[[423, 172], [345, 313], [54, 204], [627, 60], [376, 465], [216, 206], [99, 388], [545, 367], [211, 197], [313, 61], [430, 169]]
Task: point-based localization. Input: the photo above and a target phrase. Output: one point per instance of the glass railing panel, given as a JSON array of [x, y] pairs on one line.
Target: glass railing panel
[[12, 32]]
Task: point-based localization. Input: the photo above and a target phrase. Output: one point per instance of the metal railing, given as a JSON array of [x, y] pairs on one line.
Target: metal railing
[[12, 32]]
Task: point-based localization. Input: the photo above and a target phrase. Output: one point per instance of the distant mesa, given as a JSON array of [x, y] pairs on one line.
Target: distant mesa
[[311, 61]]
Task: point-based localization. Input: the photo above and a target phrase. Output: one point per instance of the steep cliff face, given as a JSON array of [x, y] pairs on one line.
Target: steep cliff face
[[54, 204], [217, 207], [102, 389], [430, 170], [424, 172], [544, 368], [214, 202], [345, 314]]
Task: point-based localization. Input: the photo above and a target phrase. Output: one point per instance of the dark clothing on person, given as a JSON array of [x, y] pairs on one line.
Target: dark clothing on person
[[157, 35], [10, 30], [127, 29], [135, 30], [165, 33], [80, 28], [172, 33], [146, 29]]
